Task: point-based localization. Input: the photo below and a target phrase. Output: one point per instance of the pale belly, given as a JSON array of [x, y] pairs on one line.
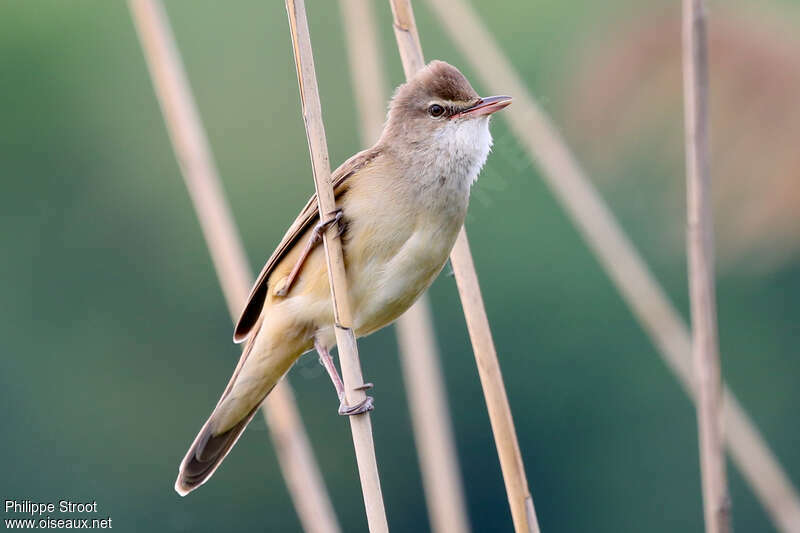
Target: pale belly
[[394, 247], [385, 286]]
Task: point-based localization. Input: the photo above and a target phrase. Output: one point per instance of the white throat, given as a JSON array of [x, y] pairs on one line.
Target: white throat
[[463, 146], [447, 167]]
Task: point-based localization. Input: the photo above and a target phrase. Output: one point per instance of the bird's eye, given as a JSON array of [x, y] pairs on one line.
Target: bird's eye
[[436, 110]]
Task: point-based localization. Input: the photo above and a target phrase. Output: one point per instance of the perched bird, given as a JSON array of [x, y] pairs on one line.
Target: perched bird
[[400, 206]]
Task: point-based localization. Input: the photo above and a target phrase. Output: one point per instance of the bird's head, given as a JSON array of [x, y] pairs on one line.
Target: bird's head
[[439, 101]]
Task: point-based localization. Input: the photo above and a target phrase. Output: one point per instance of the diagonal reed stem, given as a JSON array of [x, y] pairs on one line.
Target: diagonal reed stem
[[427, 398], [189, 140], [494, 391], [360, 425], [617, 255], [700, 253]]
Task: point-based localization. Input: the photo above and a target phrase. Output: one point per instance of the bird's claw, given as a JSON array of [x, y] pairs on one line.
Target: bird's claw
[[282, 287], [362, 407], [335, 217]]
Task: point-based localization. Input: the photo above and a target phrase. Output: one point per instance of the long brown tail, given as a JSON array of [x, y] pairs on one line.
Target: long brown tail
[[207, 452], [218, 434]]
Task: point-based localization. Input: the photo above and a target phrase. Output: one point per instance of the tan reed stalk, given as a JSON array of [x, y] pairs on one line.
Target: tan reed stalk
[[189, 140], [700, 253], [360, 425], [427, 398], [430, 417], [623, 264], [494, 391], [366, 71]]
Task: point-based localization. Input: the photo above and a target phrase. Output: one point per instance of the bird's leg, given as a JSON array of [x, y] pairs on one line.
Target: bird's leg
[[315, 239], [344, 409]]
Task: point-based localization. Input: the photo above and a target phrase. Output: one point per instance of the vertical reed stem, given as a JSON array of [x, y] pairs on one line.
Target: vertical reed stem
[[505, 436], [427, 398], [700, 252], [190, 143], [627, 270], [366, 70], [360, 425], [433, 431]]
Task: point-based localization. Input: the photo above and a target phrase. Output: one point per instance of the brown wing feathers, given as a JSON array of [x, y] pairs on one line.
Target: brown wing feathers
[[307, 217], [258, 295]]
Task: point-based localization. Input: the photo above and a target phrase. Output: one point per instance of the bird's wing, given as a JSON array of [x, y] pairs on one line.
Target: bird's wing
[[307, 217]]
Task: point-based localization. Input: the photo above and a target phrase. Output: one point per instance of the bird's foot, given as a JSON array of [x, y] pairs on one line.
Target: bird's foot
[[334, 217], [362, 407]]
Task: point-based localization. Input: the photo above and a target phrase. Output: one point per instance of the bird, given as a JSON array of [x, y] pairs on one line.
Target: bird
[[399, 207]]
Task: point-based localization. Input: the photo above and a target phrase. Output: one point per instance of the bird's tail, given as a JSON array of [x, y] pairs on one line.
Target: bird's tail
[[254, 378], [207, 452]]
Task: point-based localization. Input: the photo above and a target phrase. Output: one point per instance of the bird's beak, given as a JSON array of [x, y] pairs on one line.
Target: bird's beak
[[485, 106]]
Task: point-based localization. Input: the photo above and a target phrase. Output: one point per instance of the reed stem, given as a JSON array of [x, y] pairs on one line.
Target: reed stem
[[700, 253], [505, 436], [360, 425]]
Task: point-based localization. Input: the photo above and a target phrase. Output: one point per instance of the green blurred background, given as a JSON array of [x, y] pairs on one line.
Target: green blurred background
[[116, 340]]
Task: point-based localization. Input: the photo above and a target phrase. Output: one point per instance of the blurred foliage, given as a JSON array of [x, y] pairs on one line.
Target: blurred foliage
[[116, 341]]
